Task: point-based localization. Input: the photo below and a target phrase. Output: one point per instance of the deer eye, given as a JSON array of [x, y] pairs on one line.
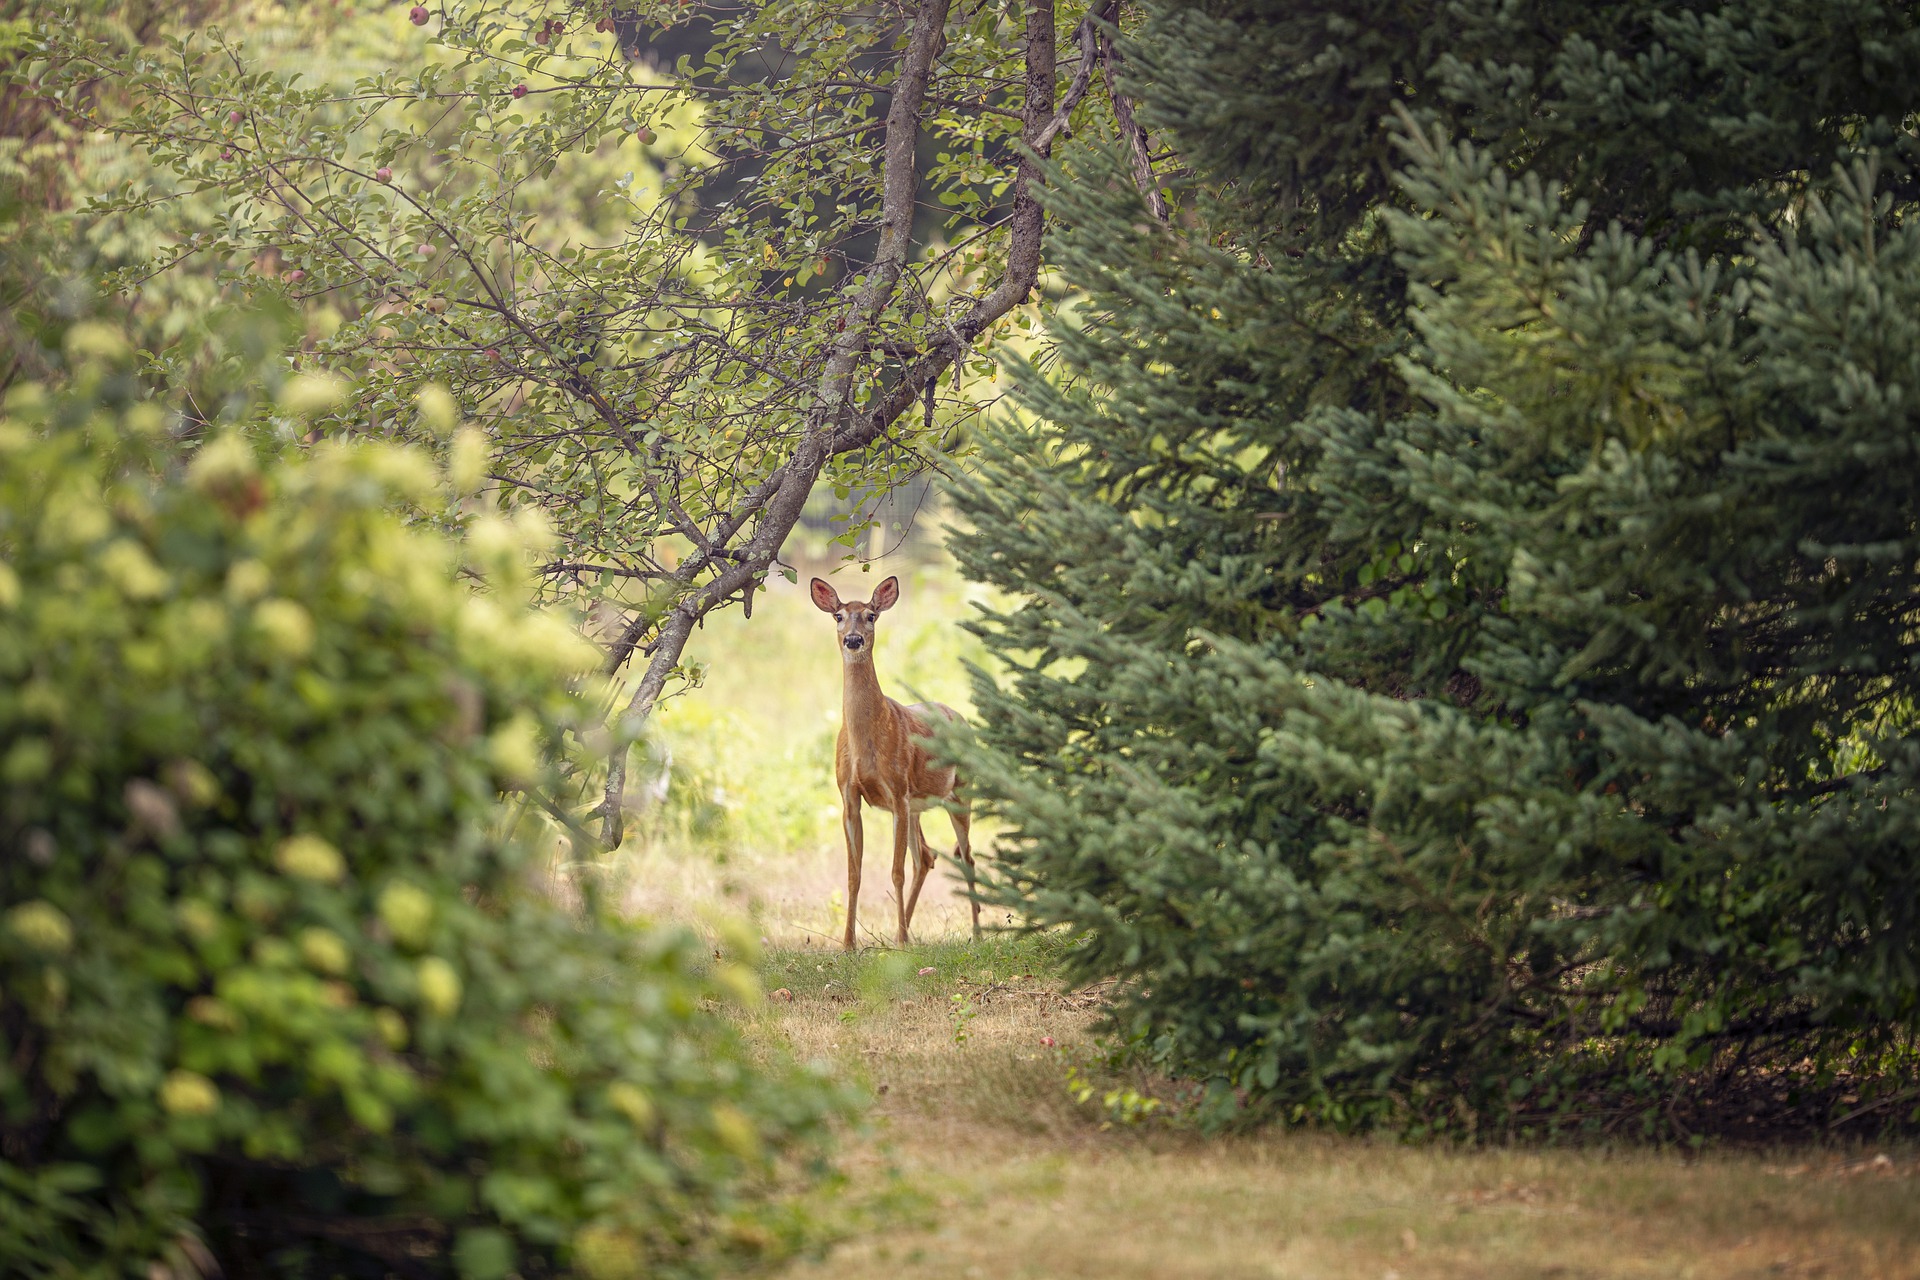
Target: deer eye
[[839, 617]]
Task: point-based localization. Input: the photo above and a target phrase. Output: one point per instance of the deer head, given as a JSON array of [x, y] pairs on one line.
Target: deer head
[[853, 620]]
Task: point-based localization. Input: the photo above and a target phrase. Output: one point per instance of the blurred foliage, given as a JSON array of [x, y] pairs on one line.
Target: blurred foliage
[[620, 264], [283, 989], [1465, 664]]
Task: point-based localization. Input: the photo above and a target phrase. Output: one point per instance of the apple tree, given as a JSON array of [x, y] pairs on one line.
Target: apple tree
[[680, 262]]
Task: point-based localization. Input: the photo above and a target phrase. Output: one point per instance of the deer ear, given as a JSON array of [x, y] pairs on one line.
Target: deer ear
[[886, 593], [825, 598]]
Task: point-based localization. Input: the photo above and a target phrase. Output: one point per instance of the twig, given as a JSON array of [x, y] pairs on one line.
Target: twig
[[1889, 1100]]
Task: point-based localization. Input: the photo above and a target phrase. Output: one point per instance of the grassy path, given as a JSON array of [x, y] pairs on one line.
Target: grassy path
[[1017, 1180]]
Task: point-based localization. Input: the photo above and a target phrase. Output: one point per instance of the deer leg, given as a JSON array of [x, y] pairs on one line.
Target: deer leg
[[922, 863], [903, 829], [856, 853], [962, 815]]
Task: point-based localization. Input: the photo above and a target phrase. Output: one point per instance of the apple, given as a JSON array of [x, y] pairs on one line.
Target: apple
[[425, 250], [645, 136], [541, 36], [226, 154], [234, 117], [383, 174], [295, 277], [419, 15], [493, 353], [519, 91]]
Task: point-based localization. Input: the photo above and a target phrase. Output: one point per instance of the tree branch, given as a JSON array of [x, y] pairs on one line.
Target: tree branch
[[1141, 154], [900, 182], [1085, 35], [1027, 225]]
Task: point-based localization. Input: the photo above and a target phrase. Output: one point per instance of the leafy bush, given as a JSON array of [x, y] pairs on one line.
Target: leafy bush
[[280, 984], [1466, 663]]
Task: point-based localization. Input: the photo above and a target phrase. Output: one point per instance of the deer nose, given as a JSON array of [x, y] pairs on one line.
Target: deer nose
[[854, 642]]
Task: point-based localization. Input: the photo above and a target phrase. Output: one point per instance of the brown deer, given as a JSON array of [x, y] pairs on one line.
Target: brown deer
[[881, 758]]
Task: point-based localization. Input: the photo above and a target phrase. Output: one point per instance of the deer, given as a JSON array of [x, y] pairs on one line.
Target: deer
[[881, 758]]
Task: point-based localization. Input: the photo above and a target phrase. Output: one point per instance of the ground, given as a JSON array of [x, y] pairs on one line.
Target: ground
[[973, 1113]]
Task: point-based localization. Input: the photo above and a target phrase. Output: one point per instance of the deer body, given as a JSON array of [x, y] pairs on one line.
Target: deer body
[[881, 759]]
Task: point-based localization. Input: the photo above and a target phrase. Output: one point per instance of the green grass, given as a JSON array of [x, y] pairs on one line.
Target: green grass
[[926, 969]]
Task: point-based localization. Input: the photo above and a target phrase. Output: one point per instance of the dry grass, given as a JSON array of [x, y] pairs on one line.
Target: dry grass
[[971, 1109]]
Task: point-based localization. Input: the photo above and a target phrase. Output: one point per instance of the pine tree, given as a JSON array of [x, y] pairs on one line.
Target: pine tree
[[1464, 660]]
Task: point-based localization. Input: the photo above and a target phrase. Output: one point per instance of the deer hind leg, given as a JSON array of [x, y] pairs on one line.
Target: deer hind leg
[[962, 815], [905, 833], [856, 854], [922, 863]]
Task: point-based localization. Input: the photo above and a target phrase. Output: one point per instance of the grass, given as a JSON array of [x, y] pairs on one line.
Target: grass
[[1022, 1180], [972, 1114]]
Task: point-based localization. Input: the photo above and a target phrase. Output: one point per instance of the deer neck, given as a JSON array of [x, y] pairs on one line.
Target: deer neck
[[863, 708]]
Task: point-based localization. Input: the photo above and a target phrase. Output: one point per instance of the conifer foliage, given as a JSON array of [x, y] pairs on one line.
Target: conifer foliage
[[1464, 662]]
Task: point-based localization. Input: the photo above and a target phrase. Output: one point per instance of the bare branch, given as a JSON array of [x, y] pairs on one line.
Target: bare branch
[[1141, 154], [1085, 35]]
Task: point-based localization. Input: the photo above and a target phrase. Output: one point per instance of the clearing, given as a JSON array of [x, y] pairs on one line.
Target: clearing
[[1016, 1179]]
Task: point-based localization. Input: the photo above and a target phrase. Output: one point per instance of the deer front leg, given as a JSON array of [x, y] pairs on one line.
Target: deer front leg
[[856, 854], [903, 829], [963, 846], [922, 863]]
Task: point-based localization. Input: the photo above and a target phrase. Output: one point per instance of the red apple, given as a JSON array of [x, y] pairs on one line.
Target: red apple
[[493, 353], [519, 91], [226, 154], [541, 36], [383, 174], [295, 277], [645, 136], [419, 15], [425, 250], [233, 117]]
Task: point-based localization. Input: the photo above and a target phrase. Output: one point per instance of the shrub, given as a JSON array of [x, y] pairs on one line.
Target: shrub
[[280, 985]]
